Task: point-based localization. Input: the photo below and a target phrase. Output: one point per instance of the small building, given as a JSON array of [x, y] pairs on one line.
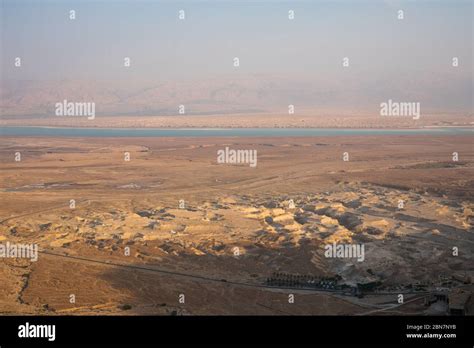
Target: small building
[[458, 302], [440, 295], [430, 299]]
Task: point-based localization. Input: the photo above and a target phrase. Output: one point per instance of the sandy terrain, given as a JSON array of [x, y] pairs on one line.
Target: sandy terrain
[[238, 229], [305, 118]]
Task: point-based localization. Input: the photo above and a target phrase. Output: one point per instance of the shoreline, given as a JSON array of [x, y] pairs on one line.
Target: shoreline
[[242, 128], [32, 131]]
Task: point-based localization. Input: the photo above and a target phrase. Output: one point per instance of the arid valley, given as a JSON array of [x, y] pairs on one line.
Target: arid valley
[[220, 172], [170, 231]]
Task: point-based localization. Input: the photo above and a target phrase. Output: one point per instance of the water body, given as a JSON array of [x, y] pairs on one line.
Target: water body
[[229, 132]]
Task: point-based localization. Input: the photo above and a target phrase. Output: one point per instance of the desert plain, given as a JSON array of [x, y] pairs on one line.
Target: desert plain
[[172, 232]]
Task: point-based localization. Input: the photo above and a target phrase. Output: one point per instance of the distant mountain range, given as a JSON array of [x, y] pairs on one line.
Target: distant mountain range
[[239, 94]]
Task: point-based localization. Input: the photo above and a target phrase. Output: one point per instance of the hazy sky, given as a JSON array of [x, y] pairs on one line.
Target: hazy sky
[[388, 57], [214, 32]]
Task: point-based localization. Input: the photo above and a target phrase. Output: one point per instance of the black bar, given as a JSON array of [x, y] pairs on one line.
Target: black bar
[[193, 330]]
